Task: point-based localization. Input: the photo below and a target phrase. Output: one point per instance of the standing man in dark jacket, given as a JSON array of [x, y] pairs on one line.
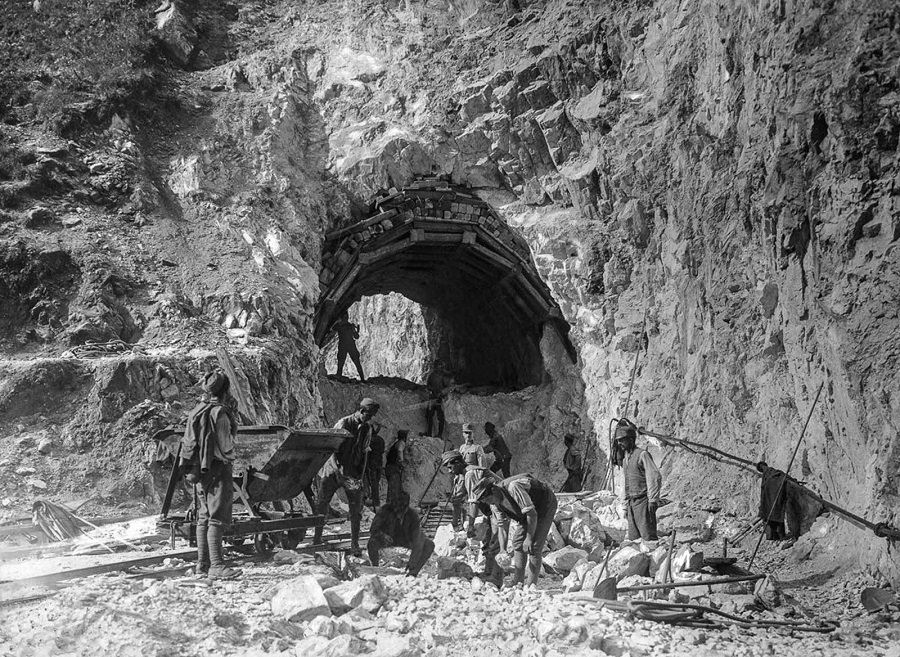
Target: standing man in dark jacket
[[374, 466], [348, 334], [573, 464], [346, 469], [207, 457], [393, 466], [531, 505], [642, 484], [498, 447]]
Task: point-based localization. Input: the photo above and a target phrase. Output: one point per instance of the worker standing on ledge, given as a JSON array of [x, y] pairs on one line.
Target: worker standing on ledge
[[642, 483], [346, 469], [531, 504], [207, 456], [348, 334], [573, 464], [498, 447]]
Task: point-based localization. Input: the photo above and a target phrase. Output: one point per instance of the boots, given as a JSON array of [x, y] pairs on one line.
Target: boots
[[217, 569], [202, 567], [534, 570], [354, 538], [519, 560]]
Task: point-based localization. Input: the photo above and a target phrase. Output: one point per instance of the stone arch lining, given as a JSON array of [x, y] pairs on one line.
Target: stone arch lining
[[441, 246]]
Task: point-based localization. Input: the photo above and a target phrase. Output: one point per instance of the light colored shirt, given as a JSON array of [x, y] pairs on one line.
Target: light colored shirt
[[651, 473], [472, 454]]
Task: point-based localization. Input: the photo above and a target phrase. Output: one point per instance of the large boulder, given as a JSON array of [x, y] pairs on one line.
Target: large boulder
[[300, 599], [366, 592], [175, 32], [565, 559], [449, 567], [629, 560]]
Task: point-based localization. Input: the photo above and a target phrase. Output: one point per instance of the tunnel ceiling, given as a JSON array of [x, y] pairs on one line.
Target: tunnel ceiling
[[446, 249]]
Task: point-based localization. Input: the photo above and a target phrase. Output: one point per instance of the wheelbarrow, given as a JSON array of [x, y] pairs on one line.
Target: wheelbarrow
[[273, 465]]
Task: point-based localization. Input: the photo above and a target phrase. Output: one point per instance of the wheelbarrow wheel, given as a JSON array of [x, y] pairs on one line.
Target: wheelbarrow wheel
[[263, 543]]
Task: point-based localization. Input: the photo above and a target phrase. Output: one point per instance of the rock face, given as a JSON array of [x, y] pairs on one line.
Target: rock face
[[708, 187]]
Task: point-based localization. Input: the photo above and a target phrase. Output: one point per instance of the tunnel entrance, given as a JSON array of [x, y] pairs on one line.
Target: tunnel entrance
[[442, 247]]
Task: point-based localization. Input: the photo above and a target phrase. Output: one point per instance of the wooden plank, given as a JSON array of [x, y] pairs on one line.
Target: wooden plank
[[487, 254], [368, 257], [361, 225]]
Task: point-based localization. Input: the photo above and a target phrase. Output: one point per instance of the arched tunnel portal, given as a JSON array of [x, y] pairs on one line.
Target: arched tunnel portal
[[441, 246]]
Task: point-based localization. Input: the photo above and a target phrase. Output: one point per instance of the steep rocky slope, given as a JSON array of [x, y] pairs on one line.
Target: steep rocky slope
[[709, 186]]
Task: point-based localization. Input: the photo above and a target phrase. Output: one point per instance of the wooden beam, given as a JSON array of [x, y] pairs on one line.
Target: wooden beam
[[361, 225]]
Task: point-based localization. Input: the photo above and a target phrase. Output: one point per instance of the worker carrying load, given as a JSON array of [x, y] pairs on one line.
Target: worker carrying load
[[397, 525], [493, 542], [642, 483], [531, 505]]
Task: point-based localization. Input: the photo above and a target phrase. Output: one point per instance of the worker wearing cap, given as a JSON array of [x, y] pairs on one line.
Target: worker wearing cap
[[207, 455], [531, 505], [347, 467], [494, 541], [397, 525], [454, 462], [498, 447], [642, 483], [472, 452], [393, 465]]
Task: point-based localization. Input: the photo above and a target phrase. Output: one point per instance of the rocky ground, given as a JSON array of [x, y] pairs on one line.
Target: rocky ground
[[333, 605]]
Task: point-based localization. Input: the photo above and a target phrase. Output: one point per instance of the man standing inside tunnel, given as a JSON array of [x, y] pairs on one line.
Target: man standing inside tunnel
[[207, 457], [498, 447], [348, 334], [346, 468], [531, 505], [642, 483]]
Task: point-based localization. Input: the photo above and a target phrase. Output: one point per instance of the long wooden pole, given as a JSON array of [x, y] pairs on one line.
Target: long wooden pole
[[784, 477]]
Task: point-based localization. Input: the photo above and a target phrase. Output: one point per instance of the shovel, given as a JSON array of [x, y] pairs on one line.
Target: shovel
[[605, 588]]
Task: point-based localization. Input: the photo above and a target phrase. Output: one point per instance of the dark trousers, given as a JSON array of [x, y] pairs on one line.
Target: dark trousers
[[353, 352], [421, 548], [641, 520], [374, 477], [573, 482], [459, 515], [328, 486], [434, 418], [502, 464], [394, 478], [215, 494]]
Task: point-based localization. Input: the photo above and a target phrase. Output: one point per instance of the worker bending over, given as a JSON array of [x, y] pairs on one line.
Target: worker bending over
[[494, 541], [346, 469], [397, 525], [531, 505]]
